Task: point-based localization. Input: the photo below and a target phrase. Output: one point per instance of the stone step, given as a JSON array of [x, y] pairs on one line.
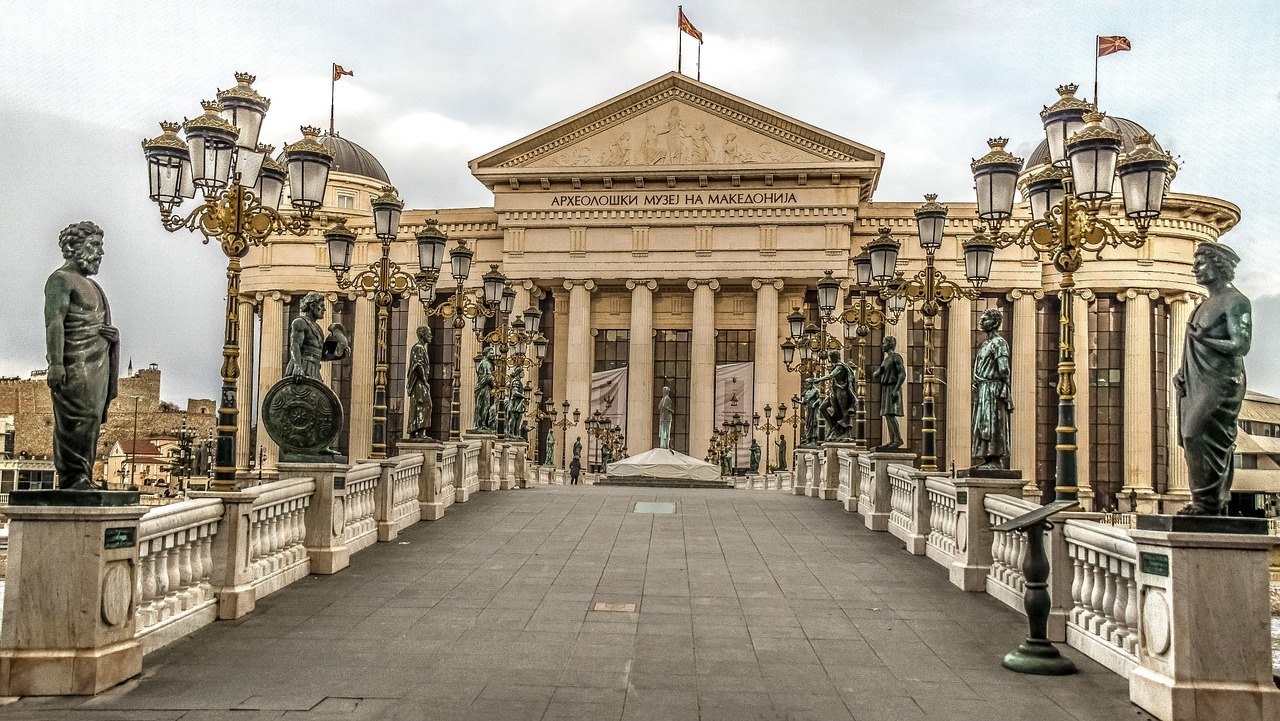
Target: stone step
[[663, 482]]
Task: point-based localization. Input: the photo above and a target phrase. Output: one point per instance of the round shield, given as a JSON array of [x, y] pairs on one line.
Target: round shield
[[302, 415]]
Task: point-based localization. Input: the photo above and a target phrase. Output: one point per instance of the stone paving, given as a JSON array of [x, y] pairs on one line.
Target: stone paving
[[750, 606]]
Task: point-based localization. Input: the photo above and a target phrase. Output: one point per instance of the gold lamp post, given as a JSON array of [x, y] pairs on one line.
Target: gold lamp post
[[768, 428], [475, 304], [386, 282], [1066, 200], [512, 339], [931, 291], [564, 424], [242, 187], [863, 315]]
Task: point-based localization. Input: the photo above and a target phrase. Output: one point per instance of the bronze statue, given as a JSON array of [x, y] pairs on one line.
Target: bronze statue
[[812, 400], [517, 405], [890, 375], [484, 421], [838, 407], [83, 352], [308, 346], [418, 385], [753, 466], [550, 452], [1211, 382], [577, 447], [992, 396], [666, 417], [782, 452]]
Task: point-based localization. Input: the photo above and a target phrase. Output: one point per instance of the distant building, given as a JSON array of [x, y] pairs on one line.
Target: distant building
[[1256, 489]]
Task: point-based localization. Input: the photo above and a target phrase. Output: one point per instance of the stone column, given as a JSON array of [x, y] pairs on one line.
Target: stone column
[[270, 368], [1180, 307], [640, 368], [1137, 394], [362, 361], [959, 388], [1022, 349], [1084, 478], [767, 348], [244, 387], [581, 348], [702, 365]]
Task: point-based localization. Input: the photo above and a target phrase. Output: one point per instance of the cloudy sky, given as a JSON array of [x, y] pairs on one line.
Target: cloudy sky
[[438, 83]]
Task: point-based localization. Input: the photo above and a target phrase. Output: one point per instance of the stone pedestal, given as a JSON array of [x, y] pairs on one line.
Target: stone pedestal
[[973, 531], [326, 516], [231, 576], [829, 489], [488, 472], [1205, 643], [876, 513], [384, 502], [429, 501], [806, 460], [519, 453], [471, 454], [68, 626]]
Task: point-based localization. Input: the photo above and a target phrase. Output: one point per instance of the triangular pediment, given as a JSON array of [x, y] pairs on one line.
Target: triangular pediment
[[675, 122]]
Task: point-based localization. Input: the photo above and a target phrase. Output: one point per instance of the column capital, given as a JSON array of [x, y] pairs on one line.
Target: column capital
[[587, 283], [332, 296], [759, 283], [1017, 293], [1131, 293], [712, 283], [650, 283], [535, 291], [1185, 297], [1085, 294]]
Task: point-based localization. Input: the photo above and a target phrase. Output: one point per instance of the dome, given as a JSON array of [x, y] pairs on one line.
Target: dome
[[1128, 131], [351, 158]]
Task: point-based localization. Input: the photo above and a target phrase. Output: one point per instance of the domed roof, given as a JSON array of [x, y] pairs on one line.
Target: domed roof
[[1128, 131], [349, 157]]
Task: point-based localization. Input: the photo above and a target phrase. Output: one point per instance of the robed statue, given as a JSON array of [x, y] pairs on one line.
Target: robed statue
[[992, 395], [483, 412], [1211, 382], [837, 409], [890, 375], [550, 452], [666, 417], [418, 385], [753, 466], [517, 405], [577, 447], [782, 452], [83, 350], [308, 346], [811, 399]]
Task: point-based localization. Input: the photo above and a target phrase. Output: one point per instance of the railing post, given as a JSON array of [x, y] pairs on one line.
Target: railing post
[[973, 530], [490, 478], [384, 501], [428, 478], [231, 577], [918, 542], [326, 516], [876, 515], [847, 485], [519, 464], [1204, 643], [830, 488]]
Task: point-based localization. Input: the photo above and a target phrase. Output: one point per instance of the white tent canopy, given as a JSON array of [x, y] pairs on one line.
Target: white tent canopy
[[664, 463]]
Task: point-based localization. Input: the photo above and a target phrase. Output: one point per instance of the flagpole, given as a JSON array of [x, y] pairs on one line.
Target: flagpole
[[679, 40], [699, 61], [333, 82], [1096, 40]]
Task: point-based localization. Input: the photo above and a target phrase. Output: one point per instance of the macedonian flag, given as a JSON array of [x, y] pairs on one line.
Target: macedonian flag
[[339, 71], [687, 27], [1108, 44]]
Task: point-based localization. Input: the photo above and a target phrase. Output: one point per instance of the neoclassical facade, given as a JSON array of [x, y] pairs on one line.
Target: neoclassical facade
[[670, 230]]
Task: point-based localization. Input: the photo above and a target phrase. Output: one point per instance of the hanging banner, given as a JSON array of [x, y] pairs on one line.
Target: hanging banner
[[735, 384], [609, 396]]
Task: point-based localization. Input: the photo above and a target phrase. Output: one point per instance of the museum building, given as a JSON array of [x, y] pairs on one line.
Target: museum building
[[666, 234]]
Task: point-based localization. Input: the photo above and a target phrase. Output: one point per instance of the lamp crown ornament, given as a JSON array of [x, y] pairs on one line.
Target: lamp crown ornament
[[1093, 129], [1067, 100], [388, 195], [211, 119], [931, 204], [997, 155], [167, 139], [310, 143], [242, 90]]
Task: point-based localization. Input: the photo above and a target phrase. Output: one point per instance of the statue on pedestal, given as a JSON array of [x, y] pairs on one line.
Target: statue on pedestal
[[516, 406], [308, 346], [83, 352], [577, 447], [1210, 385], [838, 407], [782, 452], [812, 400], [550, 453], [992, 395], [890, 375], [483, 415], [753, 466], [666, 418], [418, 386]]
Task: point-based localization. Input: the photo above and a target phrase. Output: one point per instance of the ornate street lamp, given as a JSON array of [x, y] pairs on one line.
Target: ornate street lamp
[[564, 424], [457, 308], [768, 428], [863, 315], [931, 290], [241, 187], [1065, 224]]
